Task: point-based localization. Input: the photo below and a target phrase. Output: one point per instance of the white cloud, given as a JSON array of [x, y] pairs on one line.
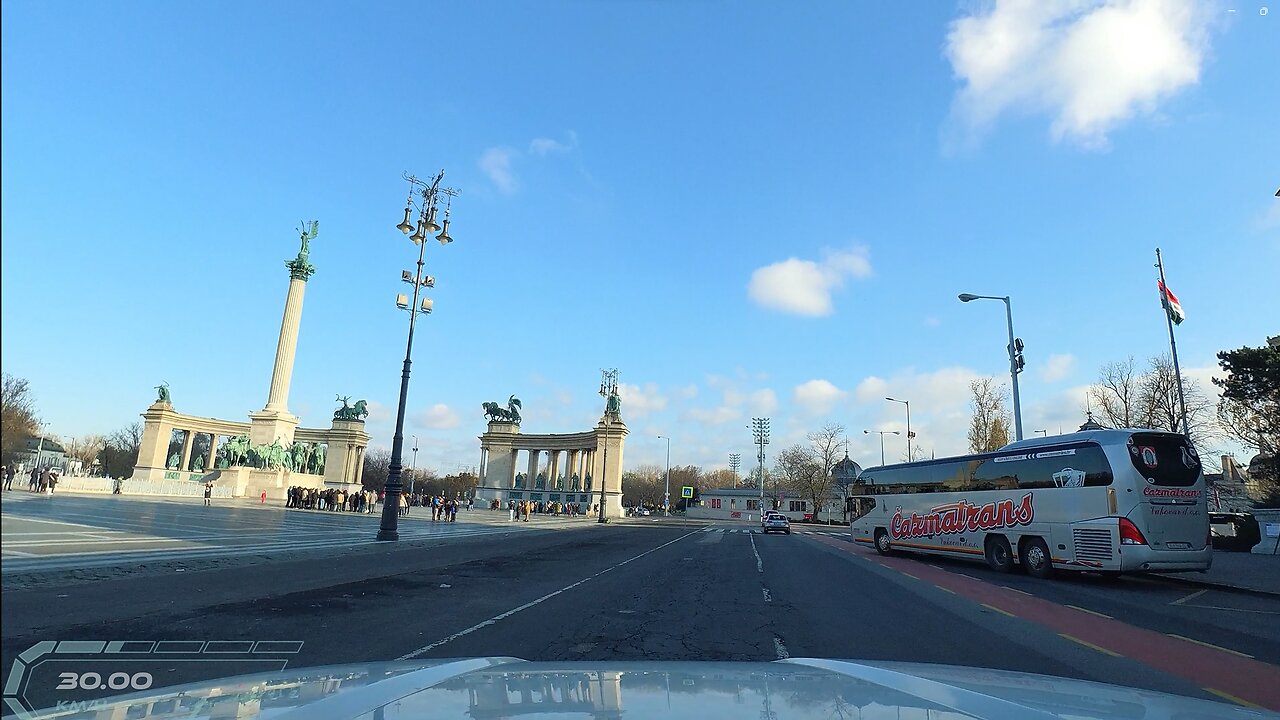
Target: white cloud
[[1089, 64], [688, 392], [640, 401], [763, 402], [378, 412], [437, 417], [496, 164], [546, 146], [817, 397], [804, 287], [1057, 367], [714, 416]]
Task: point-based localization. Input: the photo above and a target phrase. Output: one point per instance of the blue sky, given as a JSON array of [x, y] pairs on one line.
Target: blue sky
[[747, 209]]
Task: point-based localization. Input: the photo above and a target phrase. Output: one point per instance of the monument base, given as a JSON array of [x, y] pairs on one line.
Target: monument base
[[267, 426]]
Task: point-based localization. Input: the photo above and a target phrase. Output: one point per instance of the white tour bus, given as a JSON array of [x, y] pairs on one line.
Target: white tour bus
[[1107, 501]]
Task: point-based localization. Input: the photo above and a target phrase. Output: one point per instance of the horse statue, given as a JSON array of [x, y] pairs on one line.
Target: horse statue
[[497, 413], [360, 410], [317, 459], [351, 412], [275, 455]]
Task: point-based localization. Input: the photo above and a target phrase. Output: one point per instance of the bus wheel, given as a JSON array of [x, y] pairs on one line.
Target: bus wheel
[[999, 554], [882, 542], [1036, 558]]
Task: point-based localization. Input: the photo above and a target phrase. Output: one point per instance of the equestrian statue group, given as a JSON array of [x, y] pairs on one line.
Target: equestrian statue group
[[299, 457], [497, 413]]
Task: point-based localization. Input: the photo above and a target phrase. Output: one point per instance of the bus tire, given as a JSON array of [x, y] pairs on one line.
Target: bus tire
[[1036, 558], [882, 542], [998, 553]]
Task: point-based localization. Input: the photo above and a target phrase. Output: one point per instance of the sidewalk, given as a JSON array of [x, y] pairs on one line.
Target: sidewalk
[[1250, 572]]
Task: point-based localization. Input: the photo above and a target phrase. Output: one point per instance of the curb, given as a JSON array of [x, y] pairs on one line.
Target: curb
[[1210, 585]]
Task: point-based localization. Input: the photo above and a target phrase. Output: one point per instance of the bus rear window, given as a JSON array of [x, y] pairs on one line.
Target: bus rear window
[[1164, 459]]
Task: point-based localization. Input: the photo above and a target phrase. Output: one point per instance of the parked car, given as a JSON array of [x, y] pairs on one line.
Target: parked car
[[776, 522], [1234, 531]]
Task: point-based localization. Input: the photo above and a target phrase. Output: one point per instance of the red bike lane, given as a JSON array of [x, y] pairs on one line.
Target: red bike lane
[[1236, 678]]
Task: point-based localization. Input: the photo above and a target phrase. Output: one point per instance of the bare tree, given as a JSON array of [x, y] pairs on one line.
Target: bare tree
[[377, 466], [120, 451], [797, 469], [85, 448], [18, 419], [825, 445], [1159, 395], [989, 428], [1116, 397]]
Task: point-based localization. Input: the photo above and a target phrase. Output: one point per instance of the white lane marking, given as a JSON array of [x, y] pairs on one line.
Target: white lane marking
[[780, 649], [759, 562], [767, 596], [1193, 595], [531, 603]]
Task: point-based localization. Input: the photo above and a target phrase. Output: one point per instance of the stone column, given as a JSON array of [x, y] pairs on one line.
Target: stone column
[[188, 440], [511, 479], [359, 465], [571, 457], [210, 462], [282, 373], [553, 469], [531, 479]]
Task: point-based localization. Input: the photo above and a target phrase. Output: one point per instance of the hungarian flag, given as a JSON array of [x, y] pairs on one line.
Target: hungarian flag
[[1171, 304]]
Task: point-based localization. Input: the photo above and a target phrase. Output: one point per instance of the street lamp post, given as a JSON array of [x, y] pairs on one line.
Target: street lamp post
[[910, 457], [428, 206], [666, 498], [760, 433], [608, 390], [881, 433], [1016, 362], [40, 445], [413, 482]]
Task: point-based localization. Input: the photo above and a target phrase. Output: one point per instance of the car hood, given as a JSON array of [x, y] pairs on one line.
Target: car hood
[[491, 688]]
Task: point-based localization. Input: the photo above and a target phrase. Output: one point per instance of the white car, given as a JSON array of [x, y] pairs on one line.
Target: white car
[[776, 522]]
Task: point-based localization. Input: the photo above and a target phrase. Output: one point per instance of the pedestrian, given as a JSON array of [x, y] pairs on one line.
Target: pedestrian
[[53, 481], [35, 480], [453, 511], [264, 497], [9, 472], [208, 493]]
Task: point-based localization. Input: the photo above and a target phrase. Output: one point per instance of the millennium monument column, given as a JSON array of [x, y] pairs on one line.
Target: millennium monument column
[[274, 422]]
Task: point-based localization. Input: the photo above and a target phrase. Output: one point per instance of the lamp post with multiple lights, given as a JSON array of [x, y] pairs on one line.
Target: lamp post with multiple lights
[[1016, 363], [760, 433], [430, 194], [881, 433]]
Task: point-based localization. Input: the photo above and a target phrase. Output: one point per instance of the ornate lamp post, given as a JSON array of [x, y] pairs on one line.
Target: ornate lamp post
[[608, 391], [430, 194]]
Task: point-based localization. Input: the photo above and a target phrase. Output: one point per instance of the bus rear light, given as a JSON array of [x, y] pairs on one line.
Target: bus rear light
[[1129, 533]]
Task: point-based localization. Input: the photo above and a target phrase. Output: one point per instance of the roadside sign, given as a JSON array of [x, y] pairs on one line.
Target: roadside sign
[[687, 492]]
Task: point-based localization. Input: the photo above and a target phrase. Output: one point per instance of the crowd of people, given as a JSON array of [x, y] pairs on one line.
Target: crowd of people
[[367, 501], [42, 480], [522, 509], [333, 500]]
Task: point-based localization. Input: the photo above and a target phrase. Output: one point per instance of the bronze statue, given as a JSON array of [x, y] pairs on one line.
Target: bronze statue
[[162, 393], [299, 267], [497, 413], [351, 412]]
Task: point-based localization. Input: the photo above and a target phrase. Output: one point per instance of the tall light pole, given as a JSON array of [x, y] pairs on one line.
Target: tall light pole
[[427, 207], [608, 391], [760, 433], [1016, 362], [40, 445], [910, 456], [881, 433], [413, 482], [666, 499], [735, 462]]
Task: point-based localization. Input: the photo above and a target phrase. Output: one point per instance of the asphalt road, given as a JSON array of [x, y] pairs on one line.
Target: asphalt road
[[660, 590]]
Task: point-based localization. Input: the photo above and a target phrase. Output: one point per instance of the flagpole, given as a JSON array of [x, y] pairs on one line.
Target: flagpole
[[1173, 344]]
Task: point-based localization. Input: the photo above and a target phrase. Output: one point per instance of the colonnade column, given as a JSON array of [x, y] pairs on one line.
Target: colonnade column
[[531, 478], [553, 469], [188, 440]]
